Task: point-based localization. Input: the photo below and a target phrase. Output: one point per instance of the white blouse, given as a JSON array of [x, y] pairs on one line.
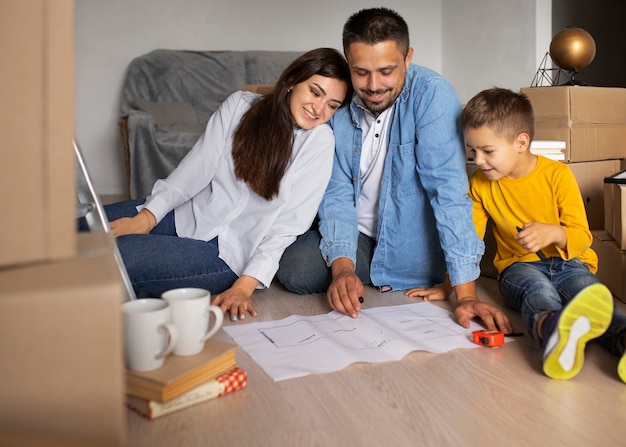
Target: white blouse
[[210, 201]]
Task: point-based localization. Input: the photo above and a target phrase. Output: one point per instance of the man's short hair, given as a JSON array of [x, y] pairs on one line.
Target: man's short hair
[[503, 111], [375, 25]]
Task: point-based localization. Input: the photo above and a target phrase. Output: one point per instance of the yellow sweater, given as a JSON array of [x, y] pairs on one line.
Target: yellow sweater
[[548, 194]]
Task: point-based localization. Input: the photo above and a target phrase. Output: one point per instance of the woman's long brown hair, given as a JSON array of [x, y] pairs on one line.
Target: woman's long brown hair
[[263, 140]]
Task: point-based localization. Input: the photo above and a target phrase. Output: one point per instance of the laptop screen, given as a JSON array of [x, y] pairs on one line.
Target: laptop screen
[[90, 207]]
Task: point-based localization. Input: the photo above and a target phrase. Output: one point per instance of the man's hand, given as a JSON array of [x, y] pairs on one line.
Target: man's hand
[[470, 307], [491, 315], [344, 292]]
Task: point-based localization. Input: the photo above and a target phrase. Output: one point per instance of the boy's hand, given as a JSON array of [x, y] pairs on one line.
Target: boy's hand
[[536, 235], [435, 293]]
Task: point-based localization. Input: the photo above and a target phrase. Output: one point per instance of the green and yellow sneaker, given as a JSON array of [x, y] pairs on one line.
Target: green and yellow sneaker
[[565, 333]]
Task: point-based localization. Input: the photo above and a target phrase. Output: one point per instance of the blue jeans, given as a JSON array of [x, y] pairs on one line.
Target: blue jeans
[[161, 260], [302, 269], [535, 288]]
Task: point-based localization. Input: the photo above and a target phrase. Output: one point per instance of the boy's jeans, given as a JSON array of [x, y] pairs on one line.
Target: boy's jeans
[[535, 288]]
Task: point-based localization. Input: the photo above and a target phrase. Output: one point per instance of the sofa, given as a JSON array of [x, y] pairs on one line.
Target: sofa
[[169, 95]]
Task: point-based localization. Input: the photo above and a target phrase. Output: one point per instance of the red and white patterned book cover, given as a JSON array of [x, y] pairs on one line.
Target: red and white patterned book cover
[[226, 383]]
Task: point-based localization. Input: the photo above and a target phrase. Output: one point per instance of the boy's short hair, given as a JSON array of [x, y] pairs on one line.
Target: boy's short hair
[[503, 111]]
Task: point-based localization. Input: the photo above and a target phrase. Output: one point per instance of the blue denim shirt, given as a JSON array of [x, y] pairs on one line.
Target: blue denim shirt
[[424, 215]]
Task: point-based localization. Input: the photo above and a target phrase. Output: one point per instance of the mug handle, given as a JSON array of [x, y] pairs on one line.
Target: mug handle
[[219, 319], [172, 333]]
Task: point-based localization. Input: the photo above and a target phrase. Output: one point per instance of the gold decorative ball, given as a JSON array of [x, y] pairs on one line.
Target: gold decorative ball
[[572, 49]]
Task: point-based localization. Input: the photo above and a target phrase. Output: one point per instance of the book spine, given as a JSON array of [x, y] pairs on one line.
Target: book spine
[[204, 392], [547, 144], [221, 385]]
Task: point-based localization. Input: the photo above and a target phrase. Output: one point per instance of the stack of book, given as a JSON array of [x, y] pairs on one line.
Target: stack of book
[[553, 149], [185, 381]]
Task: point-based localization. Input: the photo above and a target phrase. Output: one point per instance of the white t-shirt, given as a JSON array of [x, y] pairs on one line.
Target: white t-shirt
[[373, 153]]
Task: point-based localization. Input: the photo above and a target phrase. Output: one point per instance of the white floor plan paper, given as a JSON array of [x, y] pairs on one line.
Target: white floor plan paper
[[299, 345]]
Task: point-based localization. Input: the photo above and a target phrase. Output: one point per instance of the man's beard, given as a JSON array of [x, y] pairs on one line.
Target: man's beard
[[380, 106]]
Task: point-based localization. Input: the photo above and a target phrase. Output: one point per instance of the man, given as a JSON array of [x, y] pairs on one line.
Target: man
[[396, 213]]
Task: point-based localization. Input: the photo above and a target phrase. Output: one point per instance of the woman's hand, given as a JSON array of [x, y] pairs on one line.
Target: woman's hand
[[142, 223], [238, 299]]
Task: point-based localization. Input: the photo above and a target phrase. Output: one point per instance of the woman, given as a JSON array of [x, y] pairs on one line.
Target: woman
[[252, 183]]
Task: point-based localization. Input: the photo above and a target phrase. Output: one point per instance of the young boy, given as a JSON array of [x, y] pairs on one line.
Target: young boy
[[545, 264]]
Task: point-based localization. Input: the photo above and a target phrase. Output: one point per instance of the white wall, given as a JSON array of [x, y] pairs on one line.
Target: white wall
[[494, 43], [109, 34]]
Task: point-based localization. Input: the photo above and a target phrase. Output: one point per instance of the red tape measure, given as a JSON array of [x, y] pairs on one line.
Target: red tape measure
[[488, 338]]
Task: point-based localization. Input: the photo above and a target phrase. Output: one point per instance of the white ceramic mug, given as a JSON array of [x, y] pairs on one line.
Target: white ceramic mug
[[149, 335], [191, 314]]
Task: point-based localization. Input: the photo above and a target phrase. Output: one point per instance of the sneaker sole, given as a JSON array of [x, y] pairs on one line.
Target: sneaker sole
[[584, 318]]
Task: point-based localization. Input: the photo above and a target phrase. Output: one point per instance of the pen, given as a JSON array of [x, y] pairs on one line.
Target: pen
[[539, 252]]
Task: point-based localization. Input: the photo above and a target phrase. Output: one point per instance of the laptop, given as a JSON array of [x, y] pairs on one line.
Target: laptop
[[90, 207]]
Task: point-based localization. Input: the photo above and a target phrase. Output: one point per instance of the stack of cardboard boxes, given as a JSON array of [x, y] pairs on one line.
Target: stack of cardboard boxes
[[592, 123], [61, 361]]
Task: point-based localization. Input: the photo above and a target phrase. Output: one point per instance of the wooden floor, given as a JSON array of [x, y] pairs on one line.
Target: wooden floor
[[467, 397]]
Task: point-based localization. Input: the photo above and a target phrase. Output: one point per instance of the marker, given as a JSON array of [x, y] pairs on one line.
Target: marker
[[539, 252], [515, 334]]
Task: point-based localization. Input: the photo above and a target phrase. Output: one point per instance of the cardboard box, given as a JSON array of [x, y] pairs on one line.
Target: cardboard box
[[591, 120], [590, 178], [62, 367], [612, 263], [36, 131], [615, 207]]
